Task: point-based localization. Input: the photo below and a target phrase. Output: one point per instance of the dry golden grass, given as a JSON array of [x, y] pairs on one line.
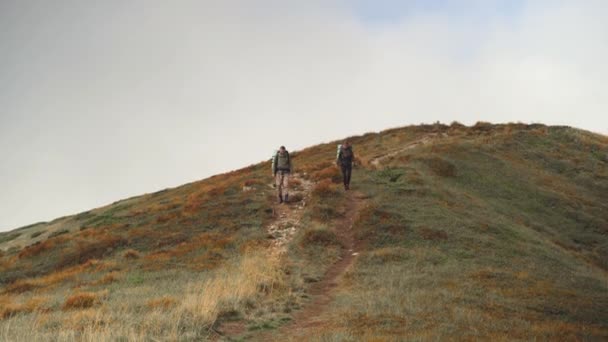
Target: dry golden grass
[[9, 308], [29, 284], [164, 303], [227, 290]]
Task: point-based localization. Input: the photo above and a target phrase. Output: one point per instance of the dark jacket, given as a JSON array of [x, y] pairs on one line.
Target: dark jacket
[[346, 156]]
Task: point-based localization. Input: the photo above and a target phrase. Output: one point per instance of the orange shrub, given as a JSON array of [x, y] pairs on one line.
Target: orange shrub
[[38, 248], [330, 172], [131, 254], [9, 309], [20, 286], [88, 250], [324, 188], [294, 182], [81, 300]]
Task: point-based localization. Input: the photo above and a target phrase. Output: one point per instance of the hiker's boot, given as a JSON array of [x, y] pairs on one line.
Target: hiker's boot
[[286, 198], [347, 186], [280, 199]]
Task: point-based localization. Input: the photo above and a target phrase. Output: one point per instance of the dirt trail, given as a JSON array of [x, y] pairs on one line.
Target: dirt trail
[[281, 230], [288, 216], [322, 291]]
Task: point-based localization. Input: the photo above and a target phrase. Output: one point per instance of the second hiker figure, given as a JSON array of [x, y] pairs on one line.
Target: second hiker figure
[[281, 168], [344, 160]]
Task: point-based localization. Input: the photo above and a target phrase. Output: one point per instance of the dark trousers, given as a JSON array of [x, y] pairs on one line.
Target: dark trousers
[[346, 171]]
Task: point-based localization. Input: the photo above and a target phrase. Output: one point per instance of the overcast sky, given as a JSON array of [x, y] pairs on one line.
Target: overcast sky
[[102, 100]]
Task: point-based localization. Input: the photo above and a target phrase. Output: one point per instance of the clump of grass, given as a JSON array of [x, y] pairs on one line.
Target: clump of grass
[[37, 248], [81, 300], [37, 234], [331, 172], [320, 236], [230, 289], [21, 286], [107, 279], [164, 303], [9, 309], [387, 254], [131, 254], [482, 126], [324, 188], [57, 233]]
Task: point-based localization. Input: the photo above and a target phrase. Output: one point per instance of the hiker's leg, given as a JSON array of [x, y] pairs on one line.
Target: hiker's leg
[[344, 170], [349, 171], [279, 181], [286, 186]]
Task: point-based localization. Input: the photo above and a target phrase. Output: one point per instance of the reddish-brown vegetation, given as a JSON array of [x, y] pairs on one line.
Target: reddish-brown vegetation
[[324, 188], [9, 309], [131, 254], [81, 300], [331, 172]]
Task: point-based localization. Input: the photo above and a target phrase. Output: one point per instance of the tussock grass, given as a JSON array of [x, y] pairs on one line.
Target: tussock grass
[[189, 313], [81, 300]]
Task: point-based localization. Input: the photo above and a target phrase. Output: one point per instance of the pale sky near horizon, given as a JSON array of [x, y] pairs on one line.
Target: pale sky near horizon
[[103, 100]]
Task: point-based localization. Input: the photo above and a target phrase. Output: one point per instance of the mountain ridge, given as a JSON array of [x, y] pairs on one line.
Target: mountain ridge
[[482, 232]]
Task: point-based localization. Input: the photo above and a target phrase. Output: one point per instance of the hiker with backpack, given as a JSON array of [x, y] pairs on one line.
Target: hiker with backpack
[[281, 168], [344, 159]]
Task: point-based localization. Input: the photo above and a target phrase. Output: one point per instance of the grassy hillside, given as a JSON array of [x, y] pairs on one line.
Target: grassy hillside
[[483, 232]]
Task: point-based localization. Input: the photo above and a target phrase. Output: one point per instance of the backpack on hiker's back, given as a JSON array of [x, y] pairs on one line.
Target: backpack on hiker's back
[[277, 165]]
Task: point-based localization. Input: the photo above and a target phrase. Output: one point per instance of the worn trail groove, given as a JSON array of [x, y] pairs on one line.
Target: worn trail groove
[[322, 291], [281, 230], [288, 216]]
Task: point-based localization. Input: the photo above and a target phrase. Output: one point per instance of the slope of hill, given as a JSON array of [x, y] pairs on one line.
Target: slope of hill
[[483, 232]]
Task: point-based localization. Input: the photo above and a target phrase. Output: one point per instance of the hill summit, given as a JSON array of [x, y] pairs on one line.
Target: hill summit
[[492, 232]]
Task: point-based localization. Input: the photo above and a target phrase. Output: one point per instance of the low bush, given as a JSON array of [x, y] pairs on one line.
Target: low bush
[[331, 172], [324, 188], [81, 300], [131, 254]]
